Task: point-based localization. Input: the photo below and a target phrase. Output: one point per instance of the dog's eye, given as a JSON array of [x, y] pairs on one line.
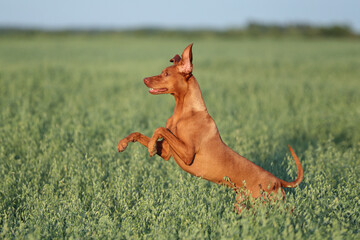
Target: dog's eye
[[166, 74]]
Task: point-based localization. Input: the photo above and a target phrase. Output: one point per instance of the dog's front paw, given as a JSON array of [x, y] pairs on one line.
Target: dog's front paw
[[152, 149], [122, 145]]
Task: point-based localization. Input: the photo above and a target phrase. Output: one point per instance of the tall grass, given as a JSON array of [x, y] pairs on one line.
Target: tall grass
[[65, 103]]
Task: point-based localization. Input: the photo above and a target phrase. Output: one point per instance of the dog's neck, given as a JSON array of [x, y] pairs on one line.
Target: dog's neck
[[191, 100]]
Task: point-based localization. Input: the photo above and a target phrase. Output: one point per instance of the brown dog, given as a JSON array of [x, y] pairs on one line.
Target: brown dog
[[193, 140]]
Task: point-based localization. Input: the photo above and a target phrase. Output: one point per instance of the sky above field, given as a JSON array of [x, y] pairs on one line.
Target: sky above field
[[175, 14]]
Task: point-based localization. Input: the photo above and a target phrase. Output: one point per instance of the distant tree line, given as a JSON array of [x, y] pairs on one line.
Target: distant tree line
[[253, 29], [306, 30]]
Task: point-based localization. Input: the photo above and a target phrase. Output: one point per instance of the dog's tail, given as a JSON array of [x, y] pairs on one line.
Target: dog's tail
[[300, 173]]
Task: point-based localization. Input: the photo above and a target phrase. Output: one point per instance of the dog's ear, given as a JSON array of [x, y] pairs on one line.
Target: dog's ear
[[185, 64], [176, 59]]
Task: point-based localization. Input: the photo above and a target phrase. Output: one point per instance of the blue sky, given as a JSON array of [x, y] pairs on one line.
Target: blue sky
[[175, 14]]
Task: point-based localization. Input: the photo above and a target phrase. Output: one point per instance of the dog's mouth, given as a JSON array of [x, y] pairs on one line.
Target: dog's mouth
[[157, 90]]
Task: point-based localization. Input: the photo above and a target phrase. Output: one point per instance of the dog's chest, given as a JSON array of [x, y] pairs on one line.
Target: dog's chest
[[176, 126], [172, 126], [186, 131]]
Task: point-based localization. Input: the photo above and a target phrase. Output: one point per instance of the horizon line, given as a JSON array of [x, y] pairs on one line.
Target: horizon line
[[94, 27]]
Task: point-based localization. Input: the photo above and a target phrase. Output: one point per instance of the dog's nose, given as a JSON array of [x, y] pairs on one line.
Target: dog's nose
[[146, 80]]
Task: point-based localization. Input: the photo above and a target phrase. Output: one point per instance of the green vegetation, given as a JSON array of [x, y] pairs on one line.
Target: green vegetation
[[66, 101]]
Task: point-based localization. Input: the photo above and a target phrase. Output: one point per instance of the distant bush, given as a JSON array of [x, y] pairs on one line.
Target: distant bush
[[305, 30]]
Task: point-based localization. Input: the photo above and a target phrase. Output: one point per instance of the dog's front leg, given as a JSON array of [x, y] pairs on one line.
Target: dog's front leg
[[133, 137], [162, 147], [186, 152]]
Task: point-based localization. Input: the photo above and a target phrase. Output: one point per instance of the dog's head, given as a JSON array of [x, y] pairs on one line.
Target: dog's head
[[173, 79]]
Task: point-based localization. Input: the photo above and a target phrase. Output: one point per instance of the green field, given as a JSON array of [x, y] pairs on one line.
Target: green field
[[66, 101]]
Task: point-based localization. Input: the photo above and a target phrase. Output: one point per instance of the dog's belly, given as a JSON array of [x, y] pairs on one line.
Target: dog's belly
[[208, 166], [223, 164]]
